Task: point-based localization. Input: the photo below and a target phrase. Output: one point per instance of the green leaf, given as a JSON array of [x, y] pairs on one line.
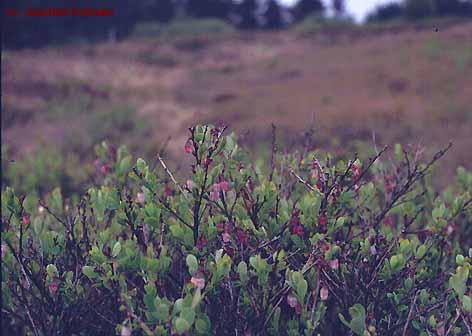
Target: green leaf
[[467, 303], [397, 262], [358, 318], [141, 165], [421, 251], [458, 280], [242, 270], [188, 314], [51, 270], [162, 312], [357, 324], [192, 263], [202, 326], [181, 325], [116, 250], [89, 272]]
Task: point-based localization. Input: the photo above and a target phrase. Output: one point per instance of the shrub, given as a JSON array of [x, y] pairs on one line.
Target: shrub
[[419, 9], [314, 24], [40, 171], [184, 28], [313, 246]]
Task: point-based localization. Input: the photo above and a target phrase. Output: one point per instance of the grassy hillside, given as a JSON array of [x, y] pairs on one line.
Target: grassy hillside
[[406, 85]]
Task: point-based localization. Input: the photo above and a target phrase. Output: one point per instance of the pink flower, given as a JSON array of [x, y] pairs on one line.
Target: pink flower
[[198, 281], [224, 186], [125, 331], [140, 197], [293, 302], [188, 146], [220, 226], [216, 187], [190, 184], [334, 264], [299, 231], [226, 237], [214, 196], [373, 250], [324, 293], [53, 287]]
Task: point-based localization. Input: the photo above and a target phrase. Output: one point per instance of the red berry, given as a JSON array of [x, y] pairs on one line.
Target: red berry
[[388, 221], [207, 161], [323, 221], [294, 221], [242, 236], [299, 230], [356, 172], [168, 191], [26, 219], [105, 168], [188, 146], [201, 242]]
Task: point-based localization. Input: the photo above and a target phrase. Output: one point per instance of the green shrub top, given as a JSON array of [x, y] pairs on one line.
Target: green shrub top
[[310, 246]]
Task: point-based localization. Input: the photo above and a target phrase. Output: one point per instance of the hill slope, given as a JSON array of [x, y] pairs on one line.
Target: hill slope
[[407, 86]]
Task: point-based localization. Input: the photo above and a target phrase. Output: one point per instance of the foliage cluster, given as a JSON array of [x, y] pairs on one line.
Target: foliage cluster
[[312, 246]]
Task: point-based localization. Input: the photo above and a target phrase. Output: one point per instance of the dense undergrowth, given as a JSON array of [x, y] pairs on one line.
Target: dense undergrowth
[[311, 245]]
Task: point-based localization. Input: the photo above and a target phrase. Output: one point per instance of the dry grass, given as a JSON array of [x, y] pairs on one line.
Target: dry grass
[[408, 87]]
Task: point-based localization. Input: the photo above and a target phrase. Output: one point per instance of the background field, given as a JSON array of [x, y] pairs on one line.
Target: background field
[[398, 83]]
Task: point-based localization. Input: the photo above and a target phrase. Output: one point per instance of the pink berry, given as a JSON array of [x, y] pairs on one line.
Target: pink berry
[[53, 287], [324, 293], [334, 264]]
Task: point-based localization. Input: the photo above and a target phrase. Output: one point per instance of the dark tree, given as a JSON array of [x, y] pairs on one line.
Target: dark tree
[[273, 15], [386, 12], [208, 8], [247, 14], [419, 9], [304, 8], [453, 7], [338, 7], [161, 10]]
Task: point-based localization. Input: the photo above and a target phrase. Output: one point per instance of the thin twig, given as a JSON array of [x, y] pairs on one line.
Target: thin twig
[[405, 329], [169, 173], [309, 186]]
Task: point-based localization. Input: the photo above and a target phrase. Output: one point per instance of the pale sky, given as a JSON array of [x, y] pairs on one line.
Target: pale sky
[[357, 8]]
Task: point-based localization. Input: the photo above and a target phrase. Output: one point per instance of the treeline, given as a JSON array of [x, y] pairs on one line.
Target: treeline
[[21, 31], [421, 9], [24, 31]]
